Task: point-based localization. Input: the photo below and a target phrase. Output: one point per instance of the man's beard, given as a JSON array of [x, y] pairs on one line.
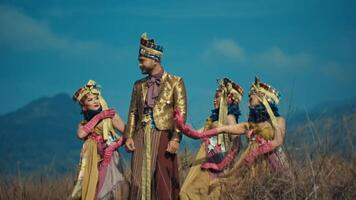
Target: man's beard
[[146, 71]]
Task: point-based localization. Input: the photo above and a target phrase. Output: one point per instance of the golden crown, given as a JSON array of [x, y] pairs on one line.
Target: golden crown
[[90, 87], [263, 90], [233, 90], [149, 49]]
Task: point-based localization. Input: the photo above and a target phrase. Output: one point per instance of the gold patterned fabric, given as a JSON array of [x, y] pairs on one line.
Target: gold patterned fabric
[[172, 96], [146, 164]]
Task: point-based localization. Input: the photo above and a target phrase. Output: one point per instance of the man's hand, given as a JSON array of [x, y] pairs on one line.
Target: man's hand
[[173, 146], [130, 145]]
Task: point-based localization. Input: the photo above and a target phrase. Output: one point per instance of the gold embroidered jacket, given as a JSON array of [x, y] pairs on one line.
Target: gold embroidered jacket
[[172, 95]]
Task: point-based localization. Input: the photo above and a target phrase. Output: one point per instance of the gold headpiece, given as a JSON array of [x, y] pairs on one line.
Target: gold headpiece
[[90, 88], [232, 90], [263, 90], [267, 95], [149, 49]]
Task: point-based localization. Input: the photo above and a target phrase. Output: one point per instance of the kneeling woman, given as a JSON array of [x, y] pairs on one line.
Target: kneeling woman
[[217, 151], [99, 176], [265, 131]]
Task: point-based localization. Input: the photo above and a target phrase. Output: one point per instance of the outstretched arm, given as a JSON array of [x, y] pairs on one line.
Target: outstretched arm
[[235, 129], [180, 99], [231, 120]]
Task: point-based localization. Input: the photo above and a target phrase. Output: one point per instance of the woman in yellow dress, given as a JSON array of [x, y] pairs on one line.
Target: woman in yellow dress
[[265, 131], [218, 150], [99, 174]]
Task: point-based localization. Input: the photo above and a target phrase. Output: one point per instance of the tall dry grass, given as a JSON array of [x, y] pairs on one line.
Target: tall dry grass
[[318, 174], [328, 177], [36, 188]]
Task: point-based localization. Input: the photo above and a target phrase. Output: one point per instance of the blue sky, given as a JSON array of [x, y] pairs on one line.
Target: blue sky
[[305, 48]]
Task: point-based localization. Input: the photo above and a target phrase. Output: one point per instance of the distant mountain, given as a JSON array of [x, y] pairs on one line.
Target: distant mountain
[[327, 128], [40, 134], [336, 109]]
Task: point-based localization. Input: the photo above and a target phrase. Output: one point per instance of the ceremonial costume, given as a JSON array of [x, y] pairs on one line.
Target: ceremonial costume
[[263, 154], [217, 152], [154, 173], [99, 175], [260, 154]]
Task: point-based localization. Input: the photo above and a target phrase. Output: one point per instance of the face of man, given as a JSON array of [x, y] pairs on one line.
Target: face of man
[[146, 64]]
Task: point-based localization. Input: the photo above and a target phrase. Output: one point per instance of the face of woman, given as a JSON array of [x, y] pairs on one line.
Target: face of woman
[[253, 101], [91, 102], [217, 100]]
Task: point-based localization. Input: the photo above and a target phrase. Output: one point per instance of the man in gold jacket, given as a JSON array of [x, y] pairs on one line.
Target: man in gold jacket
[[151, 133]]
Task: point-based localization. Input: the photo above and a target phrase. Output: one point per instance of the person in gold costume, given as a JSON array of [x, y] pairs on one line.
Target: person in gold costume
[[99, 176], [265, 131], [218, 151], [151, 133]]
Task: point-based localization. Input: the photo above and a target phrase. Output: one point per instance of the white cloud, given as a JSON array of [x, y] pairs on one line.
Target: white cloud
[[225, 48], [277, 58], [22, 32]]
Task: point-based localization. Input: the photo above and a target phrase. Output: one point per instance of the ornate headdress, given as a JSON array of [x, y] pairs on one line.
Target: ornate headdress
[[228, 89], [231, 89], [92, 88], [267, 95], [149, 49]]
